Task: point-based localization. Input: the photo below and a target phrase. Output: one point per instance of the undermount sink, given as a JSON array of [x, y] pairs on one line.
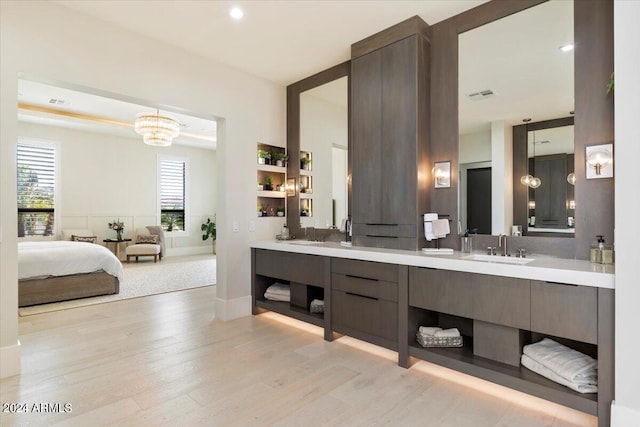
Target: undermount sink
[[499, 259]]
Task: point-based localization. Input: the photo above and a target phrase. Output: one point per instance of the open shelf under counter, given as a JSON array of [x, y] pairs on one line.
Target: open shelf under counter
[[272, 194], [293, 311], [520, 378]]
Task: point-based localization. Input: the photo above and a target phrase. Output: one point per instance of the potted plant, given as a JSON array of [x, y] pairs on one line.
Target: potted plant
[[303, 189], [281, 188], [268, 183], [263, 155], [281, 211], [259, 210], [209, 230], [304, 212], [305, 163], [260, 186]]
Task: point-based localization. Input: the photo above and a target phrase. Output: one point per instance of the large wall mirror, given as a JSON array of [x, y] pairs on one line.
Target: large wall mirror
[[503, 80], [318, 150]]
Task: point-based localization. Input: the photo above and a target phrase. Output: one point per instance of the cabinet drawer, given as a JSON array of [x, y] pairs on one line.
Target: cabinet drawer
[[502, 300], [364, 314], [365, 269], [440, 290], [307, 269], [565, 311], [368, 287]]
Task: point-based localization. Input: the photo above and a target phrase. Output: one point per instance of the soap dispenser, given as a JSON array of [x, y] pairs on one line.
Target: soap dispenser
[[597, 249]]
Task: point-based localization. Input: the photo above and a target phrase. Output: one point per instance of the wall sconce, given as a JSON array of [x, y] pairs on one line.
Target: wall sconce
[[532, 204], [442, 174], [572, 204], [291, 187], [600, 161], [571, 178]]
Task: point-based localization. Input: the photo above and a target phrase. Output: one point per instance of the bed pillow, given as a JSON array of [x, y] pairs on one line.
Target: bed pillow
[[150, 239], [88, 239]]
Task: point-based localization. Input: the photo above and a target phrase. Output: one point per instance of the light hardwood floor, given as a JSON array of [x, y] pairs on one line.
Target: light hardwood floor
[[165, 360]]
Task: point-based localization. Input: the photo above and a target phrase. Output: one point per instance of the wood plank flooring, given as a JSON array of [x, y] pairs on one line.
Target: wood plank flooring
[[165, 360]]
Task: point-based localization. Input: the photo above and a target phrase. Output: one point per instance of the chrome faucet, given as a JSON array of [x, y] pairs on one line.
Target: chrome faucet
[[503, 246]]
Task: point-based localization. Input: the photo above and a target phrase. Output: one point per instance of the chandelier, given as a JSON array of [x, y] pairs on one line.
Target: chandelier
[[155, 129]]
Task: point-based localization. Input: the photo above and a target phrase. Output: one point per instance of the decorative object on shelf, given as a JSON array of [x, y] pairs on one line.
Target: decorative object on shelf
[[268, 183], [599, 161], [303, 189], [259, 210], [263, 157], [260, 186], [280, 211], [155, 129], [279, 158], [118, 226], [281, 188], [209, 230], [304, 212], [305, 163], [442, 174], [291, 187]]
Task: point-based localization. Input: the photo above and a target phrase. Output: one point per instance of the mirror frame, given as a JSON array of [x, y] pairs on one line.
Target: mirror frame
[[293, 141], [520, 159]]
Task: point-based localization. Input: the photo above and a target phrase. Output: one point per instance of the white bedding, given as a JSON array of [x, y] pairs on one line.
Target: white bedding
[[62, 258]]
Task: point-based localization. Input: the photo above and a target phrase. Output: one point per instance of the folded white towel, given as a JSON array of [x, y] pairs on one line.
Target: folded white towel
[[449, 333], [317, 302], [279, 288], [430, 217], [441, 228], [538, 368], [428, 231], [428, 330], [277, 297], [564, 361]]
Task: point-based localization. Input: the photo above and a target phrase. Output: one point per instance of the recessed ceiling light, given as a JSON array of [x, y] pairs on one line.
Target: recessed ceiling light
[[566, 48], [236, 13]]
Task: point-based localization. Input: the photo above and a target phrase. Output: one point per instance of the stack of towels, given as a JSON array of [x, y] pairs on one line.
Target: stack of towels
[[278, 292], [432, 336], [435, 228], [317, 306], [562, 364]]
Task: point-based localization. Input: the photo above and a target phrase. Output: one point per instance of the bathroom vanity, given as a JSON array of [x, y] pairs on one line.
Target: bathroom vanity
[[383, 296]]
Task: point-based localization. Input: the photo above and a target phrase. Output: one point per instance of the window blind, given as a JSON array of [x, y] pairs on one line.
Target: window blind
[[172, 194], [36, 179]]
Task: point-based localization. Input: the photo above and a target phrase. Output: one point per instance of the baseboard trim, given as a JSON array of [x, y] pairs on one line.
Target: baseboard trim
[[233, 309], [10, 360], [622, 416], [189, 250]]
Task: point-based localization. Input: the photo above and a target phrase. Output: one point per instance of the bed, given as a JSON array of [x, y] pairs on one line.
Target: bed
[[52, 271]]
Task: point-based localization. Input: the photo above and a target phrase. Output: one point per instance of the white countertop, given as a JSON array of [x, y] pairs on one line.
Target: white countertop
[[544, 268]]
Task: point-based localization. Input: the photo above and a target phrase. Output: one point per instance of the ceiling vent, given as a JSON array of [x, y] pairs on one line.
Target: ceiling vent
[[55, 101], [483, 94]]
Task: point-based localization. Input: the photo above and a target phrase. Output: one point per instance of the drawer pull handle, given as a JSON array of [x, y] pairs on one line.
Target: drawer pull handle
[[379, 224], [360, 277], [377, 235], [361, 296]]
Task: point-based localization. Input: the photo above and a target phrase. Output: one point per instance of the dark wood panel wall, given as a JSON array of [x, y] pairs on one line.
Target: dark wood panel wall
[[593, 29]]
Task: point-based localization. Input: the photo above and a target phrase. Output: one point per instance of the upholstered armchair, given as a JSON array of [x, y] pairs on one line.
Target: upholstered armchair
[[148, 241]]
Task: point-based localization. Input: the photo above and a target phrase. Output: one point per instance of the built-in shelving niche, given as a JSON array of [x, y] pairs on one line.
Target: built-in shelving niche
[[271, 200]]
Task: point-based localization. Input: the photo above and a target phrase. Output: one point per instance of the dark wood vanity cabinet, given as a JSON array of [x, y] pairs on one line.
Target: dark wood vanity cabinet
[[365, 301], [388, 143]]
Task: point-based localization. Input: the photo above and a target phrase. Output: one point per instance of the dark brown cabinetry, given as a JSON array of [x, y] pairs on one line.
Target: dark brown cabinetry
[[443, 291], [388, 143], [365, 301]]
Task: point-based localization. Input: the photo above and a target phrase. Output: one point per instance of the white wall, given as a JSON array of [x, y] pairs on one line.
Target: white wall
[[322, 125], [626, 410], [475, 147], [106, 177], [47, 40]]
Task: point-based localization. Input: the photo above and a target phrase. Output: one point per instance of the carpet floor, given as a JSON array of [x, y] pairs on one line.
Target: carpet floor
[[147, 278]]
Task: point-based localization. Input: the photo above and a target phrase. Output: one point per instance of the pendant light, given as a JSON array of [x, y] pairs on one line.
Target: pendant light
[[535, 182], [526, 179], [156, 129]]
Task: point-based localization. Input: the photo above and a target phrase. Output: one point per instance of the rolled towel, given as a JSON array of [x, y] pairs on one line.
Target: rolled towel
[[564, 361], [586, 387], [428, 330], [449, 333]]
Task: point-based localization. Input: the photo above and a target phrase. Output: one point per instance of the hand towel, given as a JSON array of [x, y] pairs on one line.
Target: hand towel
[[276, 297], [428, 231], [279, 289], [448, 333], [564, 361], [441, 228], [538, 368], [428, 330]]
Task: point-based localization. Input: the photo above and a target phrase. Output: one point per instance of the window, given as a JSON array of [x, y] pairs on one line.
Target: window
[[173, 173], [36, 165]]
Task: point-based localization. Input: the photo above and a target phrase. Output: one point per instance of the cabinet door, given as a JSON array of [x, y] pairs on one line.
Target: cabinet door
[[366, 139], [308, 269], [440, 290], [399, 131], [565, 311], [359, 313], [502, 300]]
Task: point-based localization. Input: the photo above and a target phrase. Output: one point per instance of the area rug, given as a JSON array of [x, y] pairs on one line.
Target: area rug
[[147, 278]]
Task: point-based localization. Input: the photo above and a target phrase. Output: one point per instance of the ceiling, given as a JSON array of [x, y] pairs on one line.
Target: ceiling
[[281, 41]]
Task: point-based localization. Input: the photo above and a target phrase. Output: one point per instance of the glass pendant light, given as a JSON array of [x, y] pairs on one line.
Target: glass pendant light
[[535, 182]]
